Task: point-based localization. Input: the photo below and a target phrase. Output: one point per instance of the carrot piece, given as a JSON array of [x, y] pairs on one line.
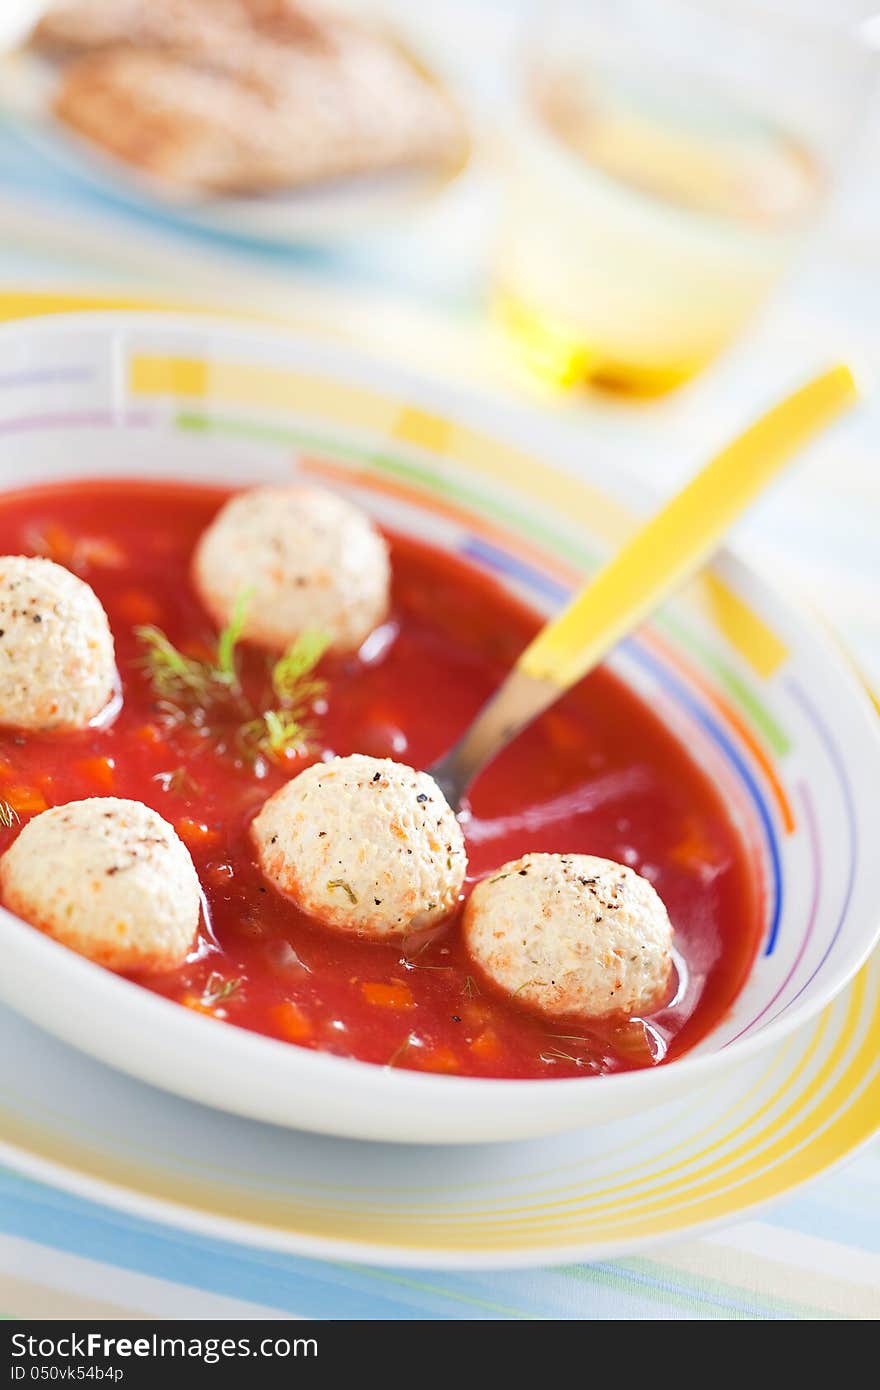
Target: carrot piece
[[638, 1043], [439, 1059], [195, 832], [149, 733], [101, 552], [137, 606], [197, 1004], [475, 1014], [566, 735], [54, 542], [101, 771], [291, 1021], [486, 1046], [694, 851], [26, 800], [390, 996]]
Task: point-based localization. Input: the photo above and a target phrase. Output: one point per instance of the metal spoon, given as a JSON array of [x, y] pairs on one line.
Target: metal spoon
[[660, 557]]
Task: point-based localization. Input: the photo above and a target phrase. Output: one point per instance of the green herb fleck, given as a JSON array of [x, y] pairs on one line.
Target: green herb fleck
[[280, 733], [179, 781], [186, 681], [230, 637], [555, 1054], [275, 734], [178, 680], [346, 888], [292, 678], [217, 989]]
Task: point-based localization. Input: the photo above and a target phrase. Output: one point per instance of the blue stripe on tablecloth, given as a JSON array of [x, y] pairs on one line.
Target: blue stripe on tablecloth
[[844, 1207], [318, 1289], [328, 1290]]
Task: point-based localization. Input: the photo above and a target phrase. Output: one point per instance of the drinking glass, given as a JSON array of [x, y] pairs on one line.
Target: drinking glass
[[662, 163]]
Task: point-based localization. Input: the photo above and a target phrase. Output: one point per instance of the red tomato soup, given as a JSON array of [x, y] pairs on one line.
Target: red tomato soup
[[598, 774]]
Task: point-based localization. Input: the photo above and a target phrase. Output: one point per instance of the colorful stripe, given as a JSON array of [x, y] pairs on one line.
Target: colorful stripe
[[491, 534], [317, 396], [429, 482], [150, 1271], [287, 390], [731, 717], [88, 419], [685, 698], [837, 763], [47, 376], [741, 694]]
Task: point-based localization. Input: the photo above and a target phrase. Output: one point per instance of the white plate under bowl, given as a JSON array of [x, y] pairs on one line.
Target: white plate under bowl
[[757, 694]]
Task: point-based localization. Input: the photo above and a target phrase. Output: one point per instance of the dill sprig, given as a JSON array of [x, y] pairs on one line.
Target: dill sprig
[[8, 815], [281, 733], [180, 781], [292, 678], [556, 1054], [189, 689], [177, 679], [217, 988], [186, 682], [227, 642], [275, 735], [525, 985]]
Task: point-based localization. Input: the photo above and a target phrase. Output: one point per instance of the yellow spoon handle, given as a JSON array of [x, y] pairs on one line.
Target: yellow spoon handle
[[664, 553], [679, 539]]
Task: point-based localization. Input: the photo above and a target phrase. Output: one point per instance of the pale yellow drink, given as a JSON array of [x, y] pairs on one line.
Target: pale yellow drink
[[640, 232]]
